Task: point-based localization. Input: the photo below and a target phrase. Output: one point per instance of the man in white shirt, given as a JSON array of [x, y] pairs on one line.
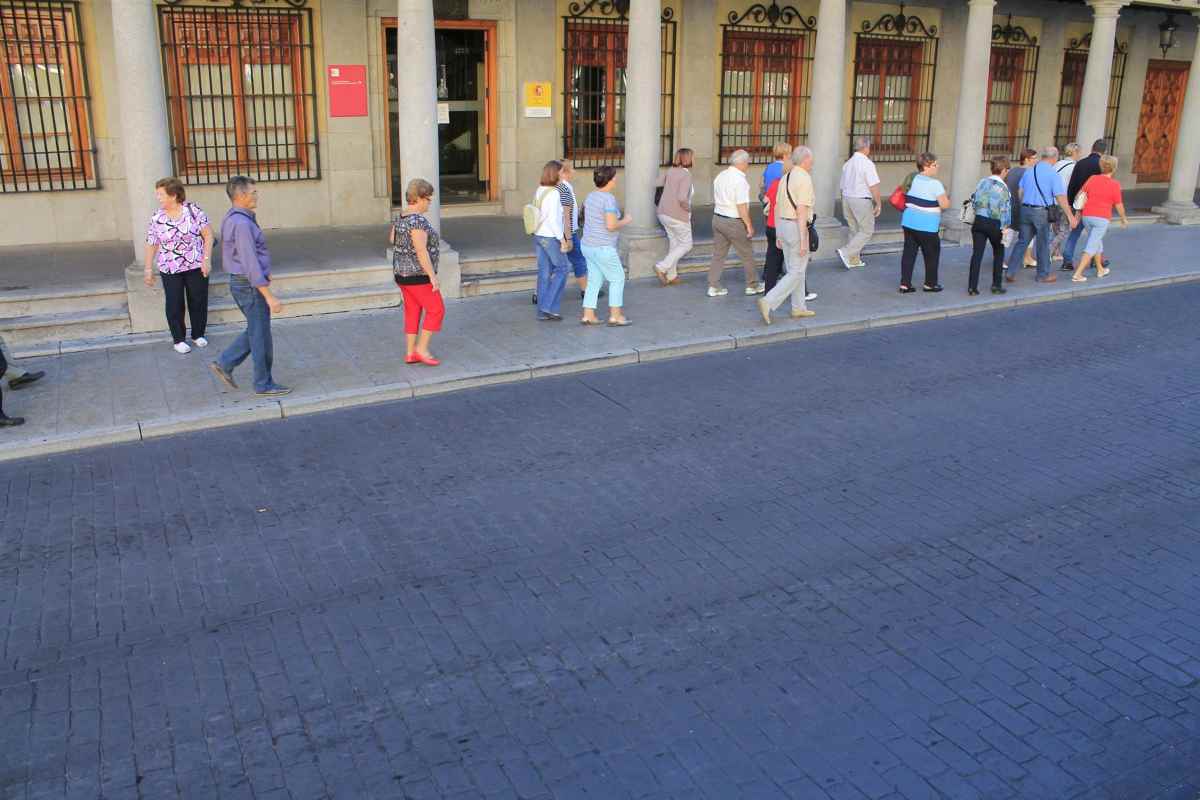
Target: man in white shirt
[[732, 226], [861, 202]]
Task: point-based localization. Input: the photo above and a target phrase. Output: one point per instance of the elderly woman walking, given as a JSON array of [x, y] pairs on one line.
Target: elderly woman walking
[[795, 199], [1103, 194], [601, 222], [675, 215], [993, 206], [551, 243], [414, 266], [179, 244], [921, 221]]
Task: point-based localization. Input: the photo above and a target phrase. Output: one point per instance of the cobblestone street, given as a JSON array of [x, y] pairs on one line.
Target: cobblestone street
[[956, 559]]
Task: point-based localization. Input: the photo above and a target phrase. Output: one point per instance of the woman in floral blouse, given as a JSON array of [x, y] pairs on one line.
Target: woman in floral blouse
[[993, 215], [179, 243]]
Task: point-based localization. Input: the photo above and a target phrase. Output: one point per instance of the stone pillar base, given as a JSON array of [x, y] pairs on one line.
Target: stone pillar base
[[449, 271], [641, 250], [145, 303], [833, 235], [1179, 213], [953, 230]]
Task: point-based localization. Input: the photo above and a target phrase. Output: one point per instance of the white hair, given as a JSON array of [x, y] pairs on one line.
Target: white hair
[[1071, 149], [1050, 151], [739, 157], [800, 154], [861, 143]]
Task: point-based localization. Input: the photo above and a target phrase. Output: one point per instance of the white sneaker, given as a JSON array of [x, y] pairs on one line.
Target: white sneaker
[[757, 288], [200, 342], [182, 348], [808, 298], [715, 291], [845, 259]]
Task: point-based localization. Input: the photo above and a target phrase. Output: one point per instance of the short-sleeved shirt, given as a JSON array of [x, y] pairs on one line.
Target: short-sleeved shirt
[[180, 243], [566, 194], [548, 199], [1013, 182], [1041, 184], [406, 266], [730, 189], [858, 176], [922, 212], [676, 200], [794, 187], [1102, 194], [595, 227], [772, 173]]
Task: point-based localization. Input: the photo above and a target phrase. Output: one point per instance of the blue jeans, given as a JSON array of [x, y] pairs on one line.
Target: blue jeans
[[604, 265], [1035, 227], [1070, 245], [552, 274], [256, 339], [576, 259]]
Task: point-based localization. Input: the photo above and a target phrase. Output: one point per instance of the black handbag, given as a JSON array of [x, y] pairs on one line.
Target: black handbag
[[814, 241], [1053, 212]]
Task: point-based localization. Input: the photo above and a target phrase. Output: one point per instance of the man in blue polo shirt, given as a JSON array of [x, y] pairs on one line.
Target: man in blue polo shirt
[[1041, 190]]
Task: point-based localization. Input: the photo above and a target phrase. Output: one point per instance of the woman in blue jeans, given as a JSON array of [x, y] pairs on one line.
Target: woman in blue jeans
[[601, 223], [551, 243]]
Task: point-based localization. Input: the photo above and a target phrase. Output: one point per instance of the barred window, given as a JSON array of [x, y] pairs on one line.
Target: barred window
[[595, 58], [893, 95], [46, 140], [1071, 92], [765, 92], [240, 92], [1010, 99]]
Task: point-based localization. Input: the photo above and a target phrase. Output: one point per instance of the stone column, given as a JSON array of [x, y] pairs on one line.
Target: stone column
[[644, 241], [145, 144], [825, 126], [1093, 106], [1180, 208], [972, 110], [142, 121], [416, 88]]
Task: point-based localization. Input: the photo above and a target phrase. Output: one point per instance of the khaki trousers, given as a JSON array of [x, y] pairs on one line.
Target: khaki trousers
[[727, 233], [860, 218], [787, 233], [679, 237]]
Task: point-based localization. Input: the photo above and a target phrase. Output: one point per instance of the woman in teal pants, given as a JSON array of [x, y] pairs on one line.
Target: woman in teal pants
[[602, 222]]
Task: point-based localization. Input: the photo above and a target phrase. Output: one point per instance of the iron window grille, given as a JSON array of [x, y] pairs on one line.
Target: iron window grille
[[46, 137], [1011, 81], [766, 73], [595, 59], [240, 92], [895, 60], [1071, 91]]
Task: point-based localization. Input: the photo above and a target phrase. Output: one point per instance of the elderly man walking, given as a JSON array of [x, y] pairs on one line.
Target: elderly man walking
[[794, 199], [245, 257], [732, 226], [17, 378], [1041, 190], [861, 202]]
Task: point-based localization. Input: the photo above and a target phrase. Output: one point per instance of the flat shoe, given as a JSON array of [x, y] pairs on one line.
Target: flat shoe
[[907, 290], [428, 361], [618, 324], [937, 288], [590, 322], [1078, 279], [25, 380], [411, 359], [662, 277], [11, 422]]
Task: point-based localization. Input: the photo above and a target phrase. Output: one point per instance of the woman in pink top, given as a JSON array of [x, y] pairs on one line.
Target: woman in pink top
[[179, 243]]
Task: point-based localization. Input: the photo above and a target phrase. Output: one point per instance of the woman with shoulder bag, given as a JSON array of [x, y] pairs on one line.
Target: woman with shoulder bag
[[993, 207], [921, 222], [551, 243], [1096, 201], [415, 247]]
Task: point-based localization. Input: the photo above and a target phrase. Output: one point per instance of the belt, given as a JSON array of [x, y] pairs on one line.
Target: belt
[[722, 216], [1031, 205]]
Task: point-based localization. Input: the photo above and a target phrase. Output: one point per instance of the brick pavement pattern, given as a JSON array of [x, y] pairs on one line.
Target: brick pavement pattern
[[948, 560]]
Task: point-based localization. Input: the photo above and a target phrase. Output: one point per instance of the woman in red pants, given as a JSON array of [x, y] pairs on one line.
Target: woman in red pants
[[414, 266]]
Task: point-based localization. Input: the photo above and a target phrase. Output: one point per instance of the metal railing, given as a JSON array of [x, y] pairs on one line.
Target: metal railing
[[241, 97], [766, 74], [1012, 78], [46, 138], [895, 60], [595, 59], [1070, 92]]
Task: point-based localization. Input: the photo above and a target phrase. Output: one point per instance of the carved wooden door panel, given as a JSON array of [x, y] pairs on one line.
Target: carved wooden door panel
[[1158, 128]]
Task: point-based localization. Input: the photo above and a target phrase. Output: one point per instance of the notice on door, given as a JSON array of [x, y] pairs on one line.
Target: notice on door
[[537, 98], [347, 90]]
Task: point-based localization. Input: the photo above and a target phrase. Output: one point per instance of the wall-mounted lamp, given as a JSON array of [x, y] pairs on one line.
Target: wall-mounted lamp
[[1166, 33]]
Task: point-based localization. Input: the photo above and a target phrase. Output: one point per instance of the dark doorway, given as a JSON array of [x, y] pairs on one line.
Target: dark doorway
[[464, 139]]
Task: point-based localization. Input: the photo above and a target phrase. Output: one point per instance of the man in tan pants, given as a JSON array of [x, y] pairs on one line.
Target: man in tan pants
[[732, 226], [861, 202], [794, 201]]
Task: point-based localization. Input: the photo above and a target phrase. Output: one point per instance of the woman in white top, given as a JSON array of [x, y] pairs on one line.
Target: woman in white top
[[551, 243]]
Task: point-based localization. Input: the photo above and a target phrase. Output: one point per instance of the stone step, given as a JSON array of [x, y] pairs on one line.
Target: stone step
[[309, 302], [290, 282], [39, 334], [25, 303]]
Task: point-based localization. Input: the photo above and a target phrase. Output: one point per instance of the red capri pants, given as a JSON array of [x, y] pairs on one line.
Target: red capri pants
[[421, 297]]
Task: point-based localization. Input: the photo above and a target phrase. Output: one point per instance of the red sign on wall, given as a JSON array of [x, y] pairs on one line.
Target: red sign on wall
[[347, 90]]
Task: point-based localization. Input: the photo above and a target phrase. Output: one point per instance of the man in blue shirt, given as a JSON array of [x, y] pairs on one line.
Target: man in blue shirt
[[1041, 190], [245, 257]]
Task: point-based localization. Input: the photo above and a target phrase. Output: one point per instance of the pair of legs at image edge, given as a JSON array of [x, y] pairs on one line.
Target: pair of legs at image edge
[[254, 342]]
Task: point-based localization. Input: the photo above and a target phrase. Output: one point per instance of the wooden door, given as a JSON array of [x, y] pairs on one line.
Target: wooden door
[[1158, 128]]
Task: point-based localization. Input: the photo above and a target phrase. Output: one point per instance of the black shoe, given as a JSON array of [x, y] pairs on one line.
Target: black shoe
[[907, 289], [11, 422], [275, 391], [972, 292], [222, 375], [928, 288], [535, 298], [546, 316], [999, 290], [1066, 268], [25, 380]]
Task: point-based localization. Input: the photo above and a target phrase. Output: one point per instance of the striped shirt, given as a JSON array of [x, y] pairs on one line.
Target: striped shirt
[[566, 194]]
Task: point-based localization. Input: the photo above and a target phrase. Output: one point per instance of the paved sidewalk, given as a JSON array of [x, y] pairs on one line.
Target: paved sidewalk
[[135, 391]]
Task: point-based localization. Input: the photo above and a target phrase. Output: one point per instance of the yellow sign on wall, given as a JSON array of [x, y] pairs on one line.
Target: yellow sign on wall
[[537, 98]]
